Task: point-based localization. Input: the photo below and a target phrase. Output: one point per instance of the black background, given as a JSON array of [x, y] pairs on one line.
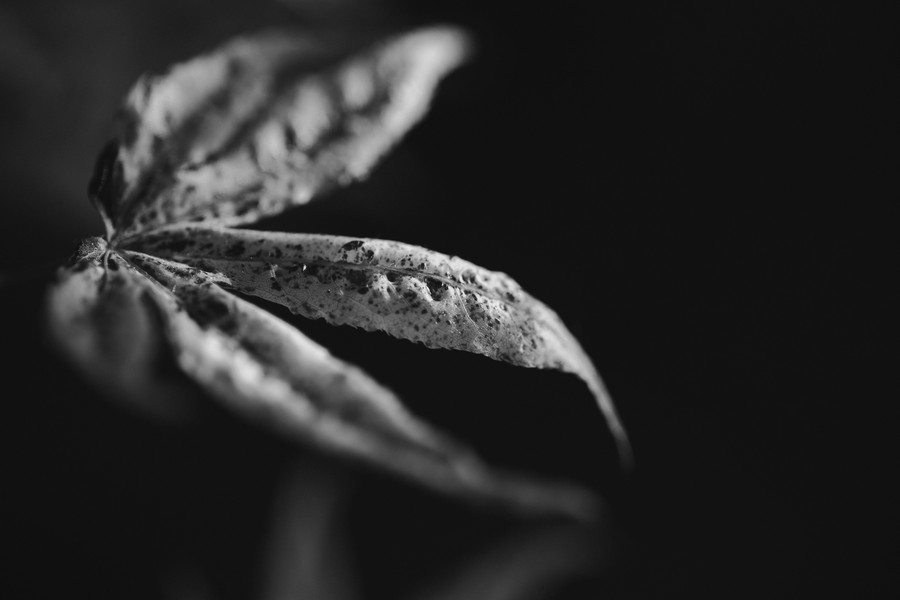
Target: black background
[[705, 192]]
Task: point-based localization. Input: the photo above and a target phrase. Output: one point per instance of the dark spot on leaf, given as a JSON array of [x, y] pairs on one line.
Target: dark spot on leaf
[[352, 245], [436, 287], [243, 208], [357, 277], [290, 137], [236, 249], [212, 311], [253, 347]]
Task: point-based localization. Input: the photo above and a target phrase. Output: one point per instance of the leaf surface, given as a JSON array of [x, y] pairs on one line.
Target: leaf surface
[[103, 321], [263, 123], [406, 291], [268, 371]]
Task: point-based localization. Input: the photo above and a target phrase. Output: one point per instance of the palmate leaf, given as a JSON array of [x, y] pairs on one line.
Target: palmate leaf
[[261, 124]]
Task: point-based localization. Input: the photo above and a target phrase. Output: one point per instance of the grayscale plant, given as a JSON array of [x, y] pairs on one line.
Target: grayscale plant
[[261, 124]]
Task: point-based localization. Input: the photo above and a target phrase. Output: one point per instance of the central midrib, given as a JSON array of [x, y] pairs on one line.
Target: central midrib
[[492, 294]]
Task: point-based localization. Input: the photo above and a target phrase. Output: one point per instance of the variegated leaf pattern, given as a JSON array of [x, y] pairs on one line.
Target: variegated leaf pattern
[[263, 123], [403, 290]]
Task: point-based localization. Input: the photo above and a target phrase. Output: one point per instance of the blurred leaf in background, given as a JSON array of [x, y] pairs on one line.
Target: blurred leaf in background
[[309, 552]]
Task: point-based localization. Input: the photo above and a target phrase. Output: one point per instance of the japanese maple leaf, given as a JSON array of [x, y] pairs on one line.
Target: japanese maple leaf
[[261, 124]]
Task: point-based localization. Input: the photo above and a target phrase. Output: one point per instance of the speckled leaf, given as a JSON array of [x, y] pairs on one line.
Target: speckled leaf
[[267, 370], [263, 123], [102, 321], [403, 290]]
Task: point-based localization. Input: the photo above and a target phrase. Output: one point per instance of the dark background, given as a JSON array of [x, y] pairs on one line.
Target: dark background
[[706, 194]]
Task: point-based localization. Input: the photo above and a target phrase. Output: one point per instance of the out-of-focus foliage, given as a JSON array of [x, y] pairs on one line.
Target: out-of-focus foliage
[[263, 123]]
